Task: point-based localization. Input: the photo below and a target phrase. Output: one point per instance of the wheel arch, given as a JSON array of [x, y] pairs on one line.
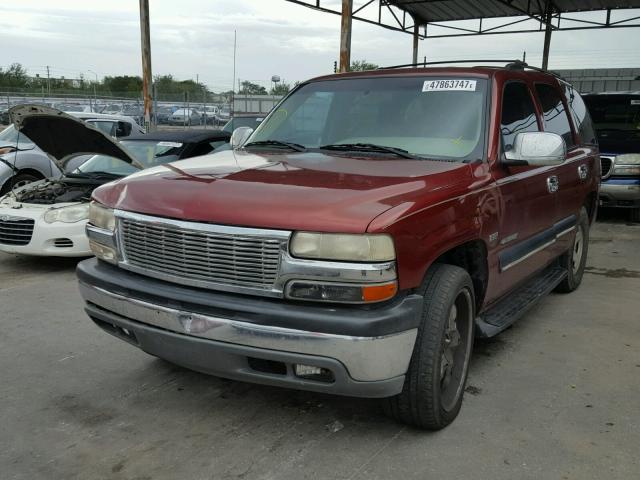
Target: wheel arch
[[29, 171], [471, 256]]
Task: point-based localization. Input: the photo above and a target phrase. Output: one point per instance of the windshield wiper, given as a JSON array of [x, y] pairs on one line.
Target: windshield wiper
[[370, 147], [278, 143], [81, 174]]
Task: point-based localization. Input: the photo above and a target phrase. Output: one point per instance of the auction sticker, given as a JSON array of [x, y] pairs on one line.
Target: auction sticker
[[449, 85]]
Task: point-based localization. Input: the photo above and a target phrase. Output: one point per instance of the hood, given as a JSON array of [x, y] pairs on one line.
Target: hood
[[616, 143], [62, 136], [299, 191]]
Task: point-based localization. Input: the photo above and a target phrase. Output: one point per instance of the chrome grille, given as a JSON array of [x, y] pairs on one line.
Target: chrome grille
[[606, 164], [15, 230], [201, 255]]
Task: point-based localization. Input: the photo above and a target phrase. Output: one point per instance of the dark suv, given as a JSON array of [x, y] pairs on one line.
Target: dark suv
[[359, 238], [617, 120]]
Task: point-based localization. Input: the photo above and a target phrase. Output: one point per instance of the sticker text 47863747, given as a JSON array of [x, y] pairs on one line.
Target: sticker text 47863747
[[449, 85]]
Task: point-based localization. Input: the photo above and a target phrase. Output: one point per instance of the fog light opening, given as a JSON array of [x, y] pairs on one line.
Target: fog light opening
[[310, 372]]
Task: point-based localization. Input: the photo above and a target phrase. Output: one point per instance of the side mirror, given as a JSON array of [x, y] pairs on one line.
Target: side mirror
[[240, 136], [538, 149]]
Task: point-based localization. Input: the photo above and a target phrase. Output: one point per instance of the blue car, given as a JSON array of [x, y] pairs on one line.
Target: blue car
[[616, 117]]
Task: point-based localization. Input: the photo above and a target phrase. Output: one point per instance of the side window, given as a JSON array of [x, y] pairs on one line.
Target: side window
[[123, 129], [105, 126], [518, 113], [201, 149], [580, 115], [555, 116]]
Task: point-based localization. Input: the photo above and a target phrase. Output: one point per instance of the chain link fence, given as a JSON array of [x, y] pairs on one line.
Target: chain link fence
[[169, 109]]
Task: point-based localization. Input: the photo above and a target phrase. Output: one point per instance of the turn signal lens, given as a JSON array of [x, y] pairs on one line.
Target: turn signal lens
[[379, 293], [102, 252], [341, 293]]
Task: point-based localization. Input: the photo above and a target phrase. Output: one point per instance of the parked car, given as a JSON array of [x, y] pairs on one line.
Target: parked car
[[616, 117], [48, 217], [224, 115], [184, 116], [208, 114], [22, 162], [162, 115], [358, 239], [116, 126], [244, 120]]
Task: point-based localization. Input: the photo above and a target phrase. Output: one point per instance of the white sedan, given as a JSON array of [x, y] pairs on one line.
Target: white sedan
[[48, 217]]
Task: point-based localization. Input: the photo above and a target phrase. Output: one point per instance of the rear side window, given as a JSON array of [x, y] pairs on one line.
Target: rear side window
[[555, 116], [518, 113], [580, 115]]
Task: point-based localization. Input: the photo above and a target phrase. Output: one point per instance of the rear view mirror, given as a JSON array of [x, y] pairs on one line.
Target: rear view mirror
[[538, 149], [240, 136]]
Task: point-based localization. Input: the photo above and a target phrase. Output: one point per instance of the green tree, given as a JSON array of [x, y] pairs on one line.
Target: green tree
[[362, 65], [250, 88], [14, 76], [281, 89], [123, 83]]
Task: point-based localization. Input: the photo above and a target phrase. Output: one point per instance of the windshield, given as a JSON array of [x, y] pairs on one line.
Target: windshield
[[613, 114], [433, 117], [147, 152]]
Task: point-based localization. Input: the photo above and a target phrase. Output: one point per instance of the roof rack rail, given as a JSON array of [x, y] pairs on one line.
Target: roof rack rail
[[509, 64], [444, 62]]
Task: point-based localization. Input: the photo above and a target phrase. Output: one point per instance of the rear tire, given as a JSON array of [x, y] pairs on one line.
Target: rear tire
[[574, 260], [434, 384]]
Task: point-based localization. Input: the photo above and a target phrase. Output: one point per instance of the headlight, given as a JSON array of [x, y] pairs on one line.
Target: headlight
[[70, 214], [102, 217], [345, 247]]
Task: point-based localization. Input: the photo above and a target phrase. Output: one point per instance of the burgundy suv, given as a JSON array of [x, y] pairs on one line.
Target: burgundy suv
[[359, 238]]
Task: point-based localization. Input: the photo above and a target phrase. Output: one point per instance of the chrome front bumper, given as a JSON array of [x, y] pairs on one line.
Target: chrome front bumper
[[626, 191], [363, 366]]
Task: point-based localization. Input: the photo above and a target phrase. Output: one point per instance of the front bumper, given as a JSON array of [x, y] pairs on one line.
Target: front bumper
[[225, 334], [56, 239], [619, 192]]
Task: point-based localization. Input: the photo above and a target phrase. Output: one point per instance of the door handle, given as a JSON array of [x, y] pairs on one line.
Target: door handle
[[553, 184], [583, 172]]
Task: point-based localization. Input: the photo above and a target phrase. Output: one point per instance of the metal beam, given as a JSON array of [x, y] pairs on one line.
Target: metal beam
[[548, 18], [416, 37], [345, 36], [145, 38]]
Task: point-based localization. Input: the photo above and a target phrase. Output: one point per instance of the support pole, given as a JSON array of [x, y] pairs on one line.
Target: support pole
[[345, 36], [548, 15], [416, 37], [146, 61]]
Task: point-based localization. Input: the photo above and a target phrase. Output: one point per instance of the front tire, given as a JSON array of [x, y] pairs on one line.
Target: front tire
[[575, 260], [434, 384]]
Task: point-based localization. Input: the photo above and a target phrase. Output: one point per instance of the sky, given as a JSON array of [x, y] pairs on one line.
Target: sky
[[194, 39]]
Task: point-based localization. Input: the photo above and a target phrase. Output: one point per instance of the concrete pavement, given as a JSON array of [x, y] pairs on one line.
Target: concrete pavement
[[555, 397]]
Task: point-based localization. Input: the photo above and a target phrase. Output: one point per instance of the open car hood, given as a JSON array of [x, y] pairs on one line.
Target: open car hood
[[62, 136]]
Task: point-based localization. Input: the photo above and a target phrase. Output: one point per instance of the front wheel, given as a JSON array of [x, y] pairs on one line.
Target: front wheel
[[434, 384]]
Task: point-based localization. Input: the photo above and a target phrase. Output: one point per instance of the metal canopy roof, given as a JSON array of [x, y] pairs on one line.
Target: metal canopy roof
[[450, 10], [403, 15]]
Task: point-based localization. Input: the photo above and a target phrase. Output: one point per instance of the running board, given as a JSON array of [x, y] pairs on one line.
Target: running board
[[517, 303]]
